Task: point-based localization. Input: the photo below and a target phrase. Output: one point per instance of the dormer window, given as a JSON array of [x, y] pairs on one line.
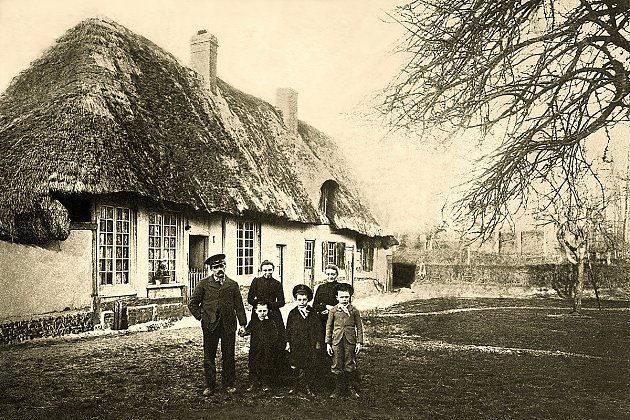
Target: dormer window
[[326, 200]]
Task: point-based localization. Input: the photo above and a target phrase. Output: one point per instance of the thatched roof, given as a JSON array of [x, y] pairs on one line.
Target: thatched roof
[[107, 111]]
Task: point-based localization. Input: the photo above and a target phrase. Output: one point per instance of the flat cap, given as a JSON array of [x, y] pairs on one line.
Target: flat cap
[[215, 259], [303, 289]]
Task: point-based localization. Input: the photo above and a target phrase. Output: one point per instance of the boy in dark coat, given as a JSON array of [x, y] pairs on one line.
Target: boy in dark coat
[[303, 338], [264, 347]]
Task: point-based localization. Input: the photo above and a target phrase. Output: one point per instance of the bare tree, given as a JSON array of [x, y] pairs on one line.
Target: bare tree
[[545, 74], [582, 228]]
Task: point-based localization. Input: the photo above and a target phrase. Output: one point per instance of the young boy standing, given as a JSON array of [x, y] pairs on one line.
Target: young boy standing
[[344, 339], [264, 347], [303, 338]]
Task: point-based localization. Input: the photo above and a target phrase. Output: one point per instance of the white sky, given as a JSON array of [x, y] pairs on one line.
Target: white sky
[[335, 53]]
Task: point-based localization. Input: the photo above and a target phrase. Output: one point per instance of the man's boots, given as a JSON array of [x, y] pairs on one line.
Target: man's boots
[[353, 379]]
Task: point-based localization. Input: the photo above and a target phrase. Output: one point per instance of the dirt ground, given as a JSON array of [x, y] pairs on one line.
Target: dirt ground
[[434, 358]]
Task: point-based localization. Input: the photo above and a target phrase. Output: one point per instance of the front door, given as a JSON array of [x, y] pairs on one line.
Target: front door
[[197, 251], [197, 254]]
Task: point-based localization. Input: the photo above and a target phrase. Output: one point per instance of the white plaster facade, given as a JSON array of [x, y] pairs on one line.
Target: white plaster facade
[[65, 275]]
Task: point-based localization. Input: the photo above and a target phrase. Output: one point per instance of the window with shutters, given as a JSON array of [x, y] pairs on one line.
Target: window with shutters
[[367, 258], [333, 253]]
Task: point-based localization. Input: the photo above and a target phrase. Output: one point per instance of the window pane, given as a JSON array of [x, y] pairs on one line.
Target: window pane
[[114, 225]]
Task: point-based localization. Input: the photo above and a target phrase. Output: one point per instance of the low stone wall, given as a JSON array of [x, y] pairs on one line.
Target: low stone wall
[[518, 279], [134, 310], [131, 310], [49, 325]]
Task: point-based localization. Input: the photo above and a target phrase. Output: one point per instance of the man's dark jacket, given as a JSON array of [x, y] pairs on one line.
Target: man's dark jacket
[[212, 302]]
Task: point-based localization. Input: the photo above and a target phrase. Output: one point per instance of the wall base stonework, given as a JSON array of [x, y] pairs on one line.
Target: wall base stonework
[[49, 325], [137, 310]]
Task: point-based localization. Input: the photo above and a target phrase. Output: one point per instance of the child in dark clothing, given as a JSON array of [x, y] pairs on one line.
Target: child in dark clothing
[[263, 348], [303, 339]]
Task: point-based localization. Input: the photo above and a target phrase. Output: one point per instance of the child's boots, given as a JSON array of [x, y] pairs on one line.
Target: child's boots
[[339, 380], [353, 379]]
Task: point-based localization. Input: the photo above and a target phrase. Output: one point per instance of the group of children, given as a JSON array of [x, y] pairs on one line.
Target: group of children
[[306, 333]]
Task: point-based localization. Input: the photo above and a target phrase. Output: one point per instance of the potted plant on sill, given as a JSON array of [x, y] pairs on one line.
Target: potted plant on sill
[[160, 276]]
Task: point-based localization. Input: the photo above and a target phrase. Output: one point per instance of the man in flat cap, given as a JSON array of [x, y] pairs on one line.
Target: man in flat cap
[[216, 301]]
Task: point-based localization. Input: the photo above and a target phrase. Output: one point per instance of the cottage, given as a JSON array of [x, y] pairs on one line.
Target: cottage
[[122, 170]]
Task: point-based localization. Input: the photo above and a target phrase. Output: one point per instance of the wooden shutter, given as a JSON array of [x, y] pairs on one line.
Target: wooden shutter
[[341, 255], [324, 254]]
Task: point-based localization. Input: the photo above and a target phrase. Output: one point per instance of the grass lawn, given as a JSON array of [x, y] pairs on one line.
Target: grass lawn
[[437, 358]]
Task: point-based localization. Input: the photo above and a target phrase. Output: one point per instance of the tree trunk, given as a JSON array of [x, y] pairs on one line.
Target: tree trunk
[[579, 287]]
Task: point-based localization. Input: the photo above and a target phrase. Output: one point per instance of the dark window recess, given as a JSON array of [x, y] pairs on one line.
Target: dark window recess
[[79, 208], [327, 197]]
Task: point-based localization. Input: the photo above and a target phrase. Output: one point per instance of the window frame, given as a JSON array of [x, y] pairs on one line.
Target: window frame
[[168, 221], [309, 254], [113, 226], [245, 247], [332, 249]]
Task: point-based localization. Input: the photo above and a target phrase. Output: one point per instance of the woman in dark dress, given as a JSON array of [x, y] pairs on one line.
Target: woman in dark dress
[[266, 288]]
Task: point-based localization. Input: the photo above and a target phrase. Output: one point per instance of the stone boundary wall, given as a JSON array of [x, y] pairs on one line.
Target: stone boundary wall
[[539, 275], [52, 325]]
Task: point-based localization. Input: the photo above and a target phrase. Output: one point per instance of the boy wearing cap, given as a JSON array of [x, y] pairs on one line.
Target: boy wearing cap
[[303, 338], [216, 301], [344, 339]]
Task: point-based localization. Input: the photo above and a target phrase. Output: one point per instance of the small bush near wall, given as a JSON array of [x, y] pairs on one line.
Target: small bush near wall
[[46, 326]]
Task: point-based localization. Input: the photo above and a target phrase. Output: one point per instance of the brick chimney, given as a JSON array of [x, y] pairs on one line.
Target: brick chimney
[[287, 103], [203, 58]]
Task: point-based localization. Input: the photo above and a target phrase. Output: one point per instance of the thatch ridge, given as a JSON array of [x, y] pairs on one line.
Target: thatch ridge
[[105, 110]]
